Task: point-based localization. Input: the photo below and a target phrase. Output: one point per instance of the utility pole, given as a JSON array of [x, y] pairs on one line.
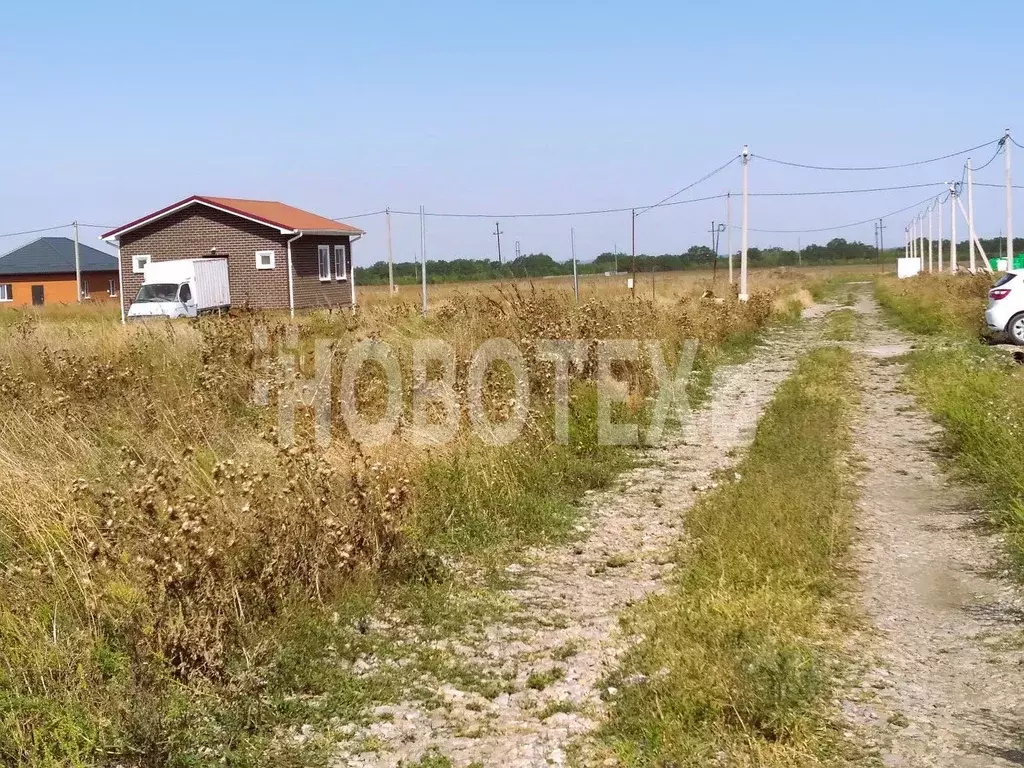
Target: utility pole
[[391, 266], [633, 287], [497, 234], [78, 266], [952, 228], [878, 251], [938, 204], [906, 242], [1007, 141], [970, 214], [728, 231], [930, 218], [744, 296], [615, 255], [881, 239], [716, 237], [518, 252], [575, 276], [423, 255]]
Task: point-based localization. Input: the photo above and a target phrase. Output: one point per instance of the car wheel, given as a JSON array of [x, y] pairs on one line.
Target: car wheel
[[1015, 329]]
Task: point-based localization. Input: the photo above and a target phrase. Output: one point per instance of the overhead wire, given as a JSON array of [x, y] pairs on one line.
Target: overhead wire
[[874, 167], [626, 209], [35, 231], [841, 226], [678, 192]]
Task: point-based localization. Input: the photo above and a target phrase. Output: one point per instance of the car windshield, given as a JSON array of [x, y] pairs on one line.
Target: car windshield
[[1004, 279], [158, 292]]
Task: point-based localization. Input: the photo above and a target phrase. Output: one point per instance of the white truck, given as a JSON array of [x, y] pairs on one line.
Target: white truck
[[182, 288]]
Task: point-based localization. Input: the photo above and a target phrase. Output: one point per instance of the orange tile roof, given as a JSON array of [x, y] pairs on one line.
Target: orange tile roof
[[269, 212], [282, 215]]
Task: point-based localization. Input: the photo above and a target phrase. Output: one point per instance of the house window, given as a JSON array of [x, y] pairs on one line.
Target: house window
[[85, 288], [324, 255], [139, 263], [339, 261], [265, 260], [6, 292], [112, 287]]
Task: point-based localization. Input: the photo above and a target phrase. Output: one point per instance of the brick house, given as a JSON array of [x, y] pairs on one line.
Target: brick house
[[43, 272], [279, 257]]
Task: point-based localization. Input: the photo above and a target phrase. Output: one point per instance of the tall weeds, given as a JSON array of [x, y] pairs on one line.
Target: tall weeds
[[160, 555]]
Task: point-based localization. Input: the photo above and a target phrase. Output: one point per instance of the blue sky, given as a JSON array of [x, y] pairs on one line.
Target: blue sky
[[112, 109]]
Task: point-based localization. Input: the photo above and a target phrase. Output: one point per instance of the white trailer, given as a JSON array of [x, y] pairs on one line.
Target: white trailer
[[183, 288]]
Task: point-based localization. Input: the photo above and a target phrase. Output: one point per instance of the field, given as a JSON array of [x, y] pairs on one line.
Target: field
[[168, 569]]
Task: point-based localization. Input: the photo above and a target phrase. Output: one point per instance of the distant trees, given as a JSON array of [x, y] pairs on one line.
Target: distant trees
[[838, 250]]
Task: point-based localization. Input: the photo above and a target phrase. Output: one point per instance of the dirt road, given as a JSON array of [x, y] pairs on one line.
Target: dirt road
[[942, 654], [945, 681], [563, 637]]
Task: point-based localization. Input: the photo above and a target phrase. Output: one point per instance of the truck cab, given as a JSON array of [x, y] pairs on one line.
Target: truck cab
[[164, 300], [182, 288]]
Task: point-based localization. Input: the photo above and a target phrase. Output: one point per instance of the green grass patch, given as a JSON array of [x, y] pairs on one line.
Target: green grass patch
[[978, 397], [840, 325], [736, 662], [936, 305]]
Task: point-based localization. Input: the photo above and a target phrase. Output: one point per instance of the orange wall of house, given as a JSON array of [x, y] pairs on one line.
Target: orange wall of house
[[57, 289]]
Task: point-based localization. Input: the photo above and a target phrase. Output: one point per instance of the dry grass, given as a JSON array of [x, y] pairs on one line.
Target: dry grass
[[170, 574]]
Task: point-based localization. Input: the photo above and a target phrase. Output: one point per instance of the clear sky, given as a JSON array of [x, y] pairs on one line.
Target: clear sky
[[109, 110]]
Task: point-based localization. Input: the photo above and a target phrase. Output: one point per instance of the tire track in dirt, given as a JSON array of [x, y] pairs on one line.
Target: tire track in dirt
[[564, 635], [945, 678]]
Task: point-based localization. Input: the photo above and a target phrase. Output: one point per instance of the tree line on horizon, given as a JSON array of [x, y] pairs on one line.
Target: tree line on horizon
[[835, 251]]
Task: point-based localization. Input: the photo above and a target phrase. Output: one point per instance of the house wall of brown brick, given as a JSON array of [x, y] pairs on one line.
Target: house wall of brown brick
[[310, 290], [192, 232]]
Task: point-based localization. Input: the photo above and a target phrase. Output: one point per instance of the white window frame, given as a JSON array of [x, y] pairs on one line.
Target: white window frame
[[135, 262], [323, 256], [7, 288], [112, 287], [260, 256], [85, 288], [340, 268]]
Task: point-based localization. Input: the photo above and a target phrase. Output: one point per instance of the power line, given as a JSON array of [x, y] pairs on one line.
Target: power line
[[678, 192], [841, 226], [688, 201], [825, 192], [875, 167], [362, 215], [999, 151], [35, 231]]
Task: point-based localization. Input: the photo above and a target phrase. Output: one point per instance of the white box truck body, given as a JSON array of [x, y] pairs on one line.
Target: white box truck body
[[183, 288]]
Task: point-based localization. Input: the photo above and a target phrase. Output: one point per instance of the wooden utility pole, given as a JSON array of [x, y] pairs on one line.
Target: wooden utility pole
[[497, 234], [78, 267], [881, 239], [728, 231], [575, 276], [633, 235], [391, 266], [423, 255]]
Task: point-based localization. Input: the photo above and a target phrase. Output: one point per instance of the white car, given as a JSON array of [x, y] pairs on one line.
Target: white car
[[1005, 313]]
